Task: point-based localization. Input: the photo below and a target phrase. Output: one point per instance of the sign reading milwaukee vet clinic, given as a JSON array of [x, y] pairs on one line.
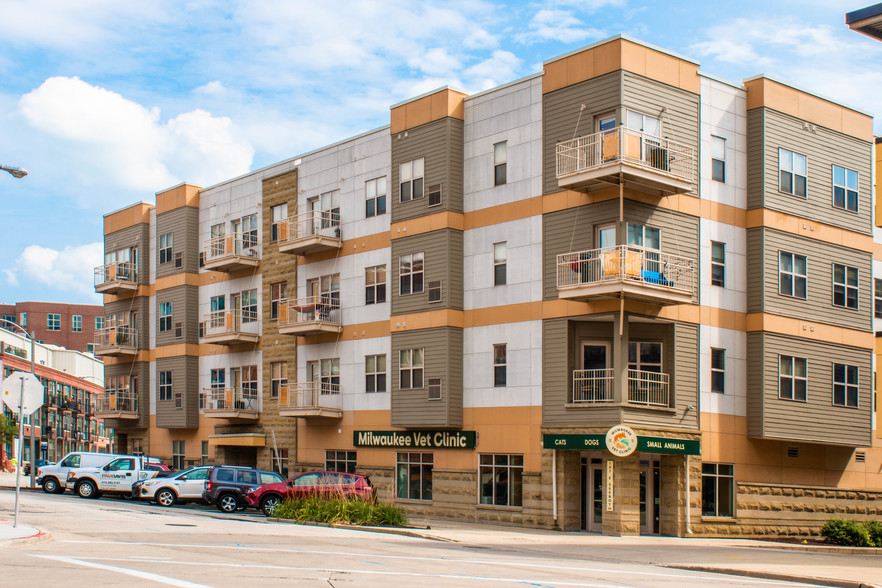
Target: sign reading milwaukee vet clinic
[[416, 439]]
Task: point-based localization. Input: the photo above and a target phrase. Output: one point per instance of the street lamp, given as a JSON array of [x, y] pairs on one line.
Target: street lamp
[[3, 324], [18, 172]]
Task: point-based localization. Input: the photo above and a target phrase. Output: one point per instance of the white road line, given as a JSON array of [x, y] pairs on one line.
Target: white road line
[[128, 572]]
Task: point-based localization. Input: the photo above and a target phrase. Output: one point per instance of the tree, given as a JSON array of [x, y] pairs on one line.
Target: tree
[[8, 431]]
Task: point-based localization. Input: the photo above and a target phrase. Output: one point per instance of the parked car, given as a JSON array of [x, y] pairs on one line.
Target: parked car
[[226, 485], [178, 488], [334, 484], [117, 477], [53, 477], [162, 470], [40, 463]]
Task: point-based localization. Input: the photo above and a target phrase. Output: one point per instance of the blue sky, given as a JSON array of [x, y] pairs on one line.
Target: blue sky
[[106, 102]]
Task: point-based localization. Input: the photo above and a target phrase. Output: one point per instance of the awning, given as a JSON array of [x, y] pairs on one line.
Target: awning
[[238, 440]]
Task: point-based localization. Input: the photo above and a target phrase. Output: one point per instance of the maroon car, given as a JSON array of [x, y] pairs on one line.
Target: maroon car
[[331, 484]]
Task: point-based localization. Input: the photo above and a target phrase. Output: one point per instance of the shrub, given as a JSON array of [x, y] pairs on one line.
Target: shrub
[[354, 511], [846, 532], [874, 528]]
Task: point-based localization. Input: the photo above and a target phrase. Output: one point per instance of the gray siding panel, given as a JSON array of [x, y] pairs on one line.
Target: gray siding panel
[[185, 382], [443, 254], [141, 371], [756, 171], [755, 382], [185, 310], [755, 290], [183, 223], [136, 236]]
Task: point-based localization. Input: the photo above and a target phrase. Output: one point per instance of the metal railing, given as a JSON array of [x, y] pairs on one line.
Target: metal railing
[[119, 336], [312, 309], [661, 155], [226, 245], [625, 262], [648, 388], [644, 388], [309, 224], [311, 395], [120, 271], [226, 399], [118, 401], [592, 386], [229, 322]]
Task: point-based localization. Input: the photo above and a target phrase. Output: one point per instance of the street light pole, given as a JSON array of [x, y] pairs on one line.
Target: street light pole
[[18, 172]]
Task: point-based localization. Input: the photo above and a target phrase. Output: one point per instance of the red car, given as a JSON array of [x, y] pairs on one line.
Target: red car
[[332, 484]]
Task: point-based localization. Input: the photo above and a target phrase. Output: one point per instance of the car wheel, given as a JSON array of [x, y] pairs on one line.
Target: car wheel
[[50, 486], [165, 497], [86, 489], [269, 504], [227, 503]]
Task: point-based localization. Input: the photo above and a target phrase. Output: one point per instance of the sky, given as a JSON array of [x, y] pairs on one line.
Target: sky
[[107, 102]]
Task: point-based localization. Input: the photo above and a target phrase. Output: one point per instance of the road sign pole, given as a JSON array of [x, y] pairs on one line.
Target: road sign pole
[[33, 444], [20, 453]]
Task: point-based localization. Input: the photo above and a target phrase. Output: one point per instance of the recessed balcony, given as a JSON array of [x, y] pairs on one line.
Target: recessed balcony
[[313, 315], [642, 161], [321, 400], [626, 271], [114, 278], [227, 327], [118, 404], [230, 253], [230, 404], [119, 341], [596, 388], [310, 232]]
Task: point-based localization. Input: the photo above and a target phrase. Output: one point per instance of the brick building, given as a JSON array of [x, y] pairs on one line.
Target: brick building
[[71, 326]]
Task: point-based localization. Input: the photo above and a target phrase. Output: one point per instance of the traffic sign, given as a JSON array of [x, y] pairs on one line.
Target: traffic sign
[[33, 392]]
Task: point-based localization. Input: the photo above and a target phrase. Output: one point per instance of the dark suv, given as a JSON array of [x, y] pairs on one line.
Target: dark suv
[[226, 485]]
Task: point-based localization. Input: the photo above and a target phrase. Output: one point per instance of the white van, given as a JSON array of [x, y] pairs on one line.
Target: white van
[[53, 477]]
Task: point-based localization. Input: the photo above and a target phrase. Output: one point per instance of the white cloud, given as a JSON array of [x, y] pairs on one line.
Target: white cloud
[[551, 24], [213, 87], [727, 50], [501, 67], [435, 62], [68, 270]]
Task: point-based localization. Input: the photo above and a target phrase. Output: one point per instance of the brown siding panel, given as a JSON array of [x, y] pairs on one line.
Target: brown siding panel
[[755, 150], [183, 223], [441, 250], [755, 291], [185, 381], [185, 310]]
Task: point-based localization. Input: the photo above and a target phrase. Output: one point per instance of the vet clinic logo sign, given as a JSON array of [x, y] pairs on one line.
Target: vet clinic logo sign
[[621, 440]]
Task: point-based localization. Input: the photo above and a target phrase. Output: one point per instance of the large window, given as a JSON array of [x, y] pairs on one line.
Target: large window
[[248, 227], [500, 363], [249, 384], [76, 323], [792, 378], [718, 159], [792, 172], [375, 284], [500, 163], [410, 369], [791, 274], [278, 377], [375, 197], [718, 370], [99, 323], [645, 356], [278, 293], [410, 273], [340, 461], [845, 188], [53, 322], [718, 264], [414, 474], [165, 385], [178, 454], [845, 286], [877, 302], [280, 213], [410, 175], [165, 247], [500, 263], [717, 490], [845, 385], [375, 373], [501, 479], [165, 316]]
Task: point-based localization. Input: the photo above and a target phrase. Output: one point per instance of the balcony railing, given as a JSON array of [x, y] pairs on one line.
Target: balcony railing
[[225, 403], [230, 252], [625, 269], [649, 388], [595, 387], [311, 399], [310, 315], [119, 404], [310, 232], [227, 327], [664, 163], [121, 276], [592, 386], [115, 341]]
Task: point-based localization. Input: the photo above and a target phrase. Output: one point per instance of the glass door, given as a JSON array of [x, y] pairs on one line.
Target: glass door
[[650, 503], [594, 382]]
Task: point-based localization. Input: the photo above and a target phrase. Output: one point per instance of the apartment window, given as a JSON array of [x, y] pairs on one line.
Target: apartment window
[[248, 228], [718, 370], [410, 369], [165, 385], [375, 284], [434, 389], [278, 293], [178, 455], [375, 373], [718, 264], [165, 316], [327, 373], [500, 263], [76, 324], [845, 385], [500, 165], [375, 197], [278, 377], [414, 475], [501, 478], [410, 272], [792, 378], [205, 453], [500, 362], [718, 159], [877, 301], [24, 319], [645, 356], [90, 348], [165, 248], [717, 490], [340, 461], [249, 386], [411, 177], [6, 321], [792, 172], [279, 213], [791, 274], [845, 286], [845, 188], [249, 306], [53, 322], [99, 323]]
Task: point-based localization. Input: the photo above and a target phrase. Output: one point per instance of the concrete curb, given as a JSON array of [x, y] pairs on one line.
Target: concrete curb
[[821, 548], [404, 531], [772, 576]]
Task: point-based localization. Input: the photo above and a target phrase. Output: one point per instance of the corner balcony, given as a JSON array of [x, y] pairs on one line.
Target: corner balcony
[[311, 400], [230, 404], [313, 315], [227, 327], [118, 404], [645, 162], [595, 388], [116, 341], [626, 271], [310, 232], [114, 278], [230, 253]]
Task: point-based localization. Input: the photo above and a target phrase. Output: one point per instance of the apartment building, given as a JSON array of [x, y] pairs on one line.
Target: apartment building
[[72, 326], [620, 295]]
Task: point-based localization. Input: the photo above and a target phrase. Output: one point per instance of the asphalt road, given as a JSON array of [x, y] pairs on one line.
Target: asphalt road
[[111, 542]]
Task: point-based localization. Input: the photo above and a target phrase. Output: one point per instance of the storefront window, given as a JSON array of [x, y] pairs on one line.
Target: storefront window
[[414, 473], [501, 479], [340, 461], [717, 490]]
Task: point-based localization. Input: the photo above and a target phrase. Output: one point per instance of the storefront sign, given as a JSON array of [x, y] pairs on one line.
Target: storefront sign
[[644, 444], [416, 439], [610, 465], [573, 441], [668, 445]]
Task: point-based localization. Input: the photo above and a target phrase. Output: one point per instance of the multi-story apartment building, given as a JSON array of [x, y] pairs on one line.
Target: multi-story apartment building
[[72, 326], [619, 295]]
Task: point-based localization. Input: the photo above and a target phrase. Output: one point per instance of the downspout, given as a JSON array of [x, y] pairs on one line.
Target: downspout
[[554, 485]]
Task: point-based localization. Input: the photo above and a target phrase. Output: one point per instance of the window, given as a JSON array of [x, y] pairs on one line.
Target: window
[[248, 230], [845, 385], [718, 264], [165, 385], [165, 247], [500, 263], [643, 123], [249, 306], [434, 389], [501, 478], [165, 316], [877, 301], [375, 373], [24, 319], [499, 365], [645, 356], [327, 372], [340, 461], [792, 172], [435, 290], [375, 197], [99, 323], [5, 321], [90, 348], [718, 370], [500, 165], [249, 386], [845, 188], [280, 213], [410, 272], [375, 284], [718, 159], [845, 286], [53, 322], [278, 378], [178, 454], [205, 453], [792, 378], [278, 293], [414, 474], [717, 490], [411, 177], [791, 274], [76, 323], [410, 369]]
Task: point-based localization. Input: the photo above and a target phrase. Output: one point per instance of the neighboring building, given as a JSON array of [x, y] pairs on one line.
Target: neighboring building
[[480, 303], [71, 326], [867, 21]]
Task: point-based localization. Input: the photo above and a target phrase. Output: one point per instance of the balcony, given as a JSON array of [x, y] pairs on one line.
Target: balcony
[[114, 278], [227, 327], [645, 162], [595, 388], [633, 272], [310, 232], [230, 404], [310, 316], [311, 400], [230, 253], [118, 404], [117, 341]]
